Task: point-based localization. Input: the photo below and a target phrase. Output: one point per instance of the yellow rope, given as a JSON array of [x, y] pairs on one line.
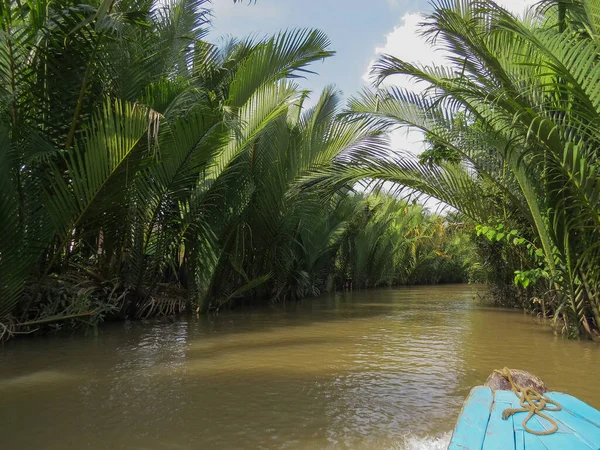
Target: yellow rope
[[531, 401]]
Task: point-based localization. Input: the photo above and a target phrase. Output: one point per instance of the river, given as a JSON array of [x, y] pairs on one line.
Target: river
[[374, 369]]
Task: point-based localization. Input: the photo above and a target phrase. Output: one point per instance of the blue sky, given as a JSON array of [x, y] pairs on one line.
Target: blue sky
[[359, 30], [355, 28]]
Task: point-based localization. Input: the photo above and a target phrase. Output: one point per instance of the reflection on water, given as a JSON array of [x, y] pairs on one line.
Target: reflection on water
[[376, 369]]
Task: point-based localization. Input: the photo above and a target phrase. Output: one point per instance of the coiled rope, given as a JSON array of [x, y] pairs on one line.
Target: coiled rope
[[531, 401]]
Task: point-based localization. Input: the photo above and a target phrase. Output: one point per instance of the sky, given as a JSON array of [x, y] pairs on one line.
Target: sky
[[355, 27], [359, 30]]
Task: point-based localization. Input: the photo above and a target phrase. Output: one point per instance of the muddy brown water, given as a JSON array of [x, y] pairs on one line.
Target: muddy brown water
[[369, 370]]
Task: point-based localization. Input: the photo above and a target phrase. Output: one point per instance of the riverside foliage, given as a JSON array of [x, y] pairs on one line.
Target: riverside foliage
[[145, 171], [513, 119]]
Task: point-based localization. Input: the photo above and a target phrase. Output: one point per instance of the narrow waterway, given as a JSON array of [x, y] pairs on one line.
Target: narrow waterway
[[366, 370]]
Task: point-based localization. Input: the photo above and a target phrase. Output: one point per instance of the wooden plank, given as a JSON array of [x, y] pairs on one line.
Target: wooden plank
[[472, 423], [507, 397], [533, 442], [574, 432], [537, 423], [585, 431], [576, 407], [500, 433], [560, 441], [480, 425], [519, 440]]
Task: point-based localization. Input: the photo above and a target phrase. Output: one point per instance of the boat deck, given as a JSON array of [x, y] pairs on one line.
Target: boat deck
[[480, 425]]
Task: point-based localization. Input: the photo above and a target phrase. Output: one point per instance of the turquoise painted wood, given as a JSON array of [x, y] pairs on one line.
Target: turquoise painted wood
[[480, 425]]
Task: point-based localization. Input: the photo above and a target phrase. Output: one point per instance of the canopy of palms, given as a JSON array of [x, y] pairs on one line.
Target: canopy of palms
[[144, 171], [512, 119]]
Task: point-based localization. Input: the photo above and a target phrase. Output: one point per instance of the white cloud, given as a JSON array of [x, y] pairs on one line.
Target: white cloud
[[406, 43]]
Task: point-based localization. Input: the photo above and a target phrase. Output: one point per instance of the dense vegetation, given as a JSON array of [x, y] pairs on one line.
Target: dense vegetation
[[145, 171], [513, 119]]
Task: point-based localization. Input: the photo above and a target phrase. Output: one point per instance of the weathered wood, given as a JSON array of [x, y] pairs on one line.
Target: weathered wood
[[585, 430], [480, 425], [500, 433], [472, 423], [576, 406]]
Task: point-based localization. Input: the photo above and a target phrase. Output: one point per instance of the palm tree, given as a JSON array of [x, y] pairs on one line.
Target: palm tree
[[146, 171], [273, 236], [517, 104], [115, 175]]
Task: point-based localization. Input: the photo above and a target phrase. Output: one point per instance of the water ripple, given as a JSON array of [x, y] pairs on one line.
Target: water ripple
[[384, 369]]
